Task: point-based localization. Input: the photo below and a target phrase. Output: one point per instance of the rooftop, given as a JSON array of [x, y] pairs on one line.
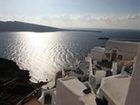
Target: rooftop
[[115, 89], [124, 46], [75, 86]]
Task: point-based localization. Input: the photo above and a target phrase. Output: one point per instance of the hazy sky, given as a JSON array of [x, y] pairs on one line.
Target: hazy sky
[[74, 13]]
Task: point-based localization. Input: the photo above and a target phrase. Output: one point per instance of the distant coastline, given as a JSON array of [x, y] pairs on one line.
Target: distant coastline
[[16, 26]]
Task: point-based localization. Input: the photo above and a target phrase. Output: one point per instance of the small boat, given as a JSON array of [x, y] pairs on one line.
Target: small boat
[[103, 38]]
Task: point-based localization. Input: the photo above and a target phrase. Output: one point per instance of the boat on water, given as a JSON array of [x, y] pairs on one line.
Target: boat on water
[[107, 76], [103, 38]]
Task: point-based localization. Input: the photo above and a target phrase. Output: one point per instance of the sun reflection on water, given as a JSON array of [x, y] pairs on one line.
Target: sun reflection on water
[[41, 54]]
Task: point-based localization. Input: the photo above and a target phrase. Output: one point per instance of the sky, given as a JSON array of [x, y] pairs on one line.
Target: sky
[[122, 14]]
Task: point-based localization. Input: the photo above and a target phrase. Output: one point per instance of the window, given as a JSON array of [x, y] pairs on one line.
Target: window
[[48, 99]]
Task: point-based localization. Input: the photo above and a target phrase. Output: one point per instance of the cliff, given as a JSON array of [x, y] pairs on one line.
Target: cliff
[[14, 84], [10, 26]]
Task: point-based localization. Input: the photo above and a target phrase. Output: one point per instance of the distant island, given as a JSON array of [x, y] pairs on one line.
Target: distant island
[[14, 26], [11, 26]]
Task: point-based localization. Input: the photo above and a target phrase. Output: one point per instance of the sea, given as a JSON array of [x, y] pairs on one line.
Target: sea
[[44, 54]]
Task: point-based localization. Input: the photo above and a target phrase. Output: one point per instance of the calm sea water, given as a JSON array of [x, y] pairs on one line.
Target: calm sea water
[[43, 54]]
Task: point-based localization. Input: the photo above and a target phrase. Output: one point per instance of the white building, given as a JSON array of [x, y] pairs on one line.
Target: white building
[[119, 89], [133, 96], [69, 91], [120, 50], [122, 89]]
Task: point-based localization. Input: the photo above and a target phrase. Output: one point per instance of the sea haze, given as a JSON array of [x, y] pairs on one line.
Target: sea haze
[[43, 54]]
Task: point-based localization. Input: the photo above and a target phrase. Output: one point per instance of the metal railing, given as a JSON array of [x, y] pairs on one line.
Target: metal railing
[[35, 94]]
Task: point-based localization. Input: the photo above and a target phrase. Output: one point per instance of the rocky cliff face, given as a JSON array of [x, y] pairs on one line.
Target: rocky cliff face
[[9, 69], [14, 83]]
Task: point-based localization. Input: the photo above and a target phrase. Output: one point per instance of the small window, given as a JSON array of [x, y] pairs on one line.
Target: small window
[[107, 55], [48, 99], [120, 57]]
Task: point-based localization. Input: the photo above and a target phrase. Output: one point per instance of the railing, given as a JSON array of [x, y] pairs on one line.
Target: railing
[[35, 94], [11, 81]]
